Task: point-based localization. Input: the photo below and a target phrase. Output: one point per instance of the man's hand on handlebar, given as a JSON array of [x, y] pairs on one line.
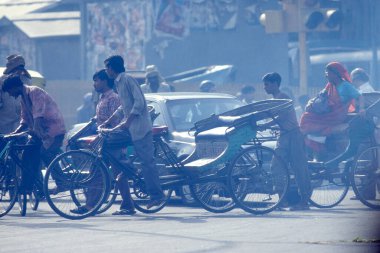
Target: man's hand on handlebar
[[102, 130], [14, 135]]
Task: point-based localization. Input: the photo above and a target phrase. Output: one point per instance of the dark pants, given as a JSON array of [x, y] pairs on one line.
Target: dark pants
[[121, 182], [144, 150], [32, 157], [291, 149]]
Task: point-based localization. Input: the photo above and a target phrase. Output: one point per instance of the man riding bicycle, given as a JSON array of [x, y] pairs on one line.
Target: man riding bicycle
[[41, 117], [137, 122], [108, 103]]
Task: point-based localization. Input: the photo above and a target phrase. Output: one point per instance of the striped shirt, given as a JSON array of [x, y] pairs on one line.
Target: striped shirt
[[107, 105]]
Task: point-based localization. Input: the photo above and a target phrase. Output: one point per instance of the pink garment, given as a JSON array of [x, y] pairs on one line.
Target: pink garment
[[36, 103], [312, 123], [107, 105]]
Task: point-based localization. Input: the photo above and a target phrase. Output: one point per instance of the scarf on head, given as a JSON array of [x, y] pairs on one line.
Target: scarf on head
[[339, 69], [334, 98]]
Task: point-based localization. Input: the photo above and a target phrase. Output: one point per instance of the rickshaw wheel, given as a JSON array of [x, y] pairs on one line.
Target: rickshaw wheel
[[213, 196], [254, 185], [365, 177], [329, 188]]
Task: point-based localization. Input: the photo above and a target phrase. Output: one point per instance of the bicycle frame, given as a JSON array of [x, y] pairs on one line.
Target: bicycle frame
[[13, 172], [180, 178]]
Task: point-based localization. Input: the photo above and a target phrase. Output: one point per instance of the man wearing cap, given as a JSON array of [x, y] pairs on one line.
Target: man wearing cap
[[207, 86], [39, 115], [361, 80], [154, 82], [9, 106], [246, 94]]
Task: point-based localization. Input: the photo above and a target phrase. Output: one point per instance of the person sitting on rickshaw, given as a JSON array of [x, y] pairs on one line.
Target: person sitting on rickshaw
[[360, 128], [341, 95]]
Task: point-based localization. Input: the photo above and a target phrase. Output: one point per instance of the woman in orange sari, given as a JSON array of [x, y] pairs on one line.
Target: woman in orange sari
[[341, 97]]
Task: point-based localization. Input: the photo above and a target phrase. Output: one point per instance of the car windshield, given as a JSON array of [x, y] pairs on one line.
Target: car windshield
[[185, 112]]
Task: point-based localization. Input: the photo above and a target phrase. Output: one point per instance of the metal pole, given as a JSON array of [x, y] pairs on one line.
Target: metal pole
[[83, 35], [374, 62], [303, 62], [302, 53]]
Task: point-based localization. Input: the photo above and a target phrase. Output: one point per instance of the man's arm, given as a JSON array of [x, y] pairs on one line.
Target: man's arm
[[117, 114], [139, 103]]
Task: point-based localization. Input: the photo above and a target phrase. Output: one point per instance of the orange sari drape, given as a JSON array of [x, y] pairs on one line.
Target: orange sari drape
[[312, 123]]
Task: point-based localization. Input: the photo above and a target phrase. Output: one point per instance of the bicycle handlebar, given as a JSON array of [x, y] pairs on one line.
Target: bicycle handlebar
[[15, 135]]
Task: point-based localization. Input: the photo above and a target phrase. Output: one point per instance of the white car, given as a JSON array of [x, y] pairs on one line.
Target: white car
[[180, 110]]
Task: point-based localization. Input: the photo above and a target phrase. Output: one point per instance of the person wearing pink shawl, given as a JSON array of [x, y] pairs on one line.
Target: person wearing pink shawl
[[341, 99]]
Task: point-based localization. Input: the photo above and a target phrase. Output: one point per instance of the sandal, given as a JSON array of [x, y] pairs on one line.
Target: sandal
[[124, 212]]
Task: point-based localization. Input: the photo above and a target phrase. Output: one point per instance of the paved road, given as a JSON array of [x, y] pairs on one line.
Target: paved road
[[186, 229]]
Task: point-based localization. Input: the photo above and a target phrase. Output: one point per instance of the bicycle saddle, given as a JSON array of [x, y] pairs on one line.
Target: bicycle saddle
[[158, 130]]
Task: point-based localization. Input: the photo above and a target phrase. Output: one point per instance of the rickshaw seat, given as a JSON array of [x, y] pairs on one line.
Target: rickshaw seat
[[159, 130], [217, 132], [198, 163], [228, 119]]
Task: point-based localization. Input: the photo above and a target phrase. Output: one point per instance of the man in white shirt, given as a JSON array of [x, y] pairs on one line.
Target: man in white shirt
[[361, 80], [138, 123], [154, 82]]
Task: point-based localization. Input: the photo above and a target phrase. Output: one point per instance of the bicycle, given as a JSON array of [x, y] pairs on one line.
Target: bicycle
[[362, 172], [82, 140], [253, 185], [11, 175], [171, 170], [218, 141]]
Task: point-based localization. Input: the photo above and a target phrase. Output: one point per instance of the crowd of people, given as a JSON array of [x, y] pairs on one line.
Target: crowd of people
[[126, 112], [122, 108]]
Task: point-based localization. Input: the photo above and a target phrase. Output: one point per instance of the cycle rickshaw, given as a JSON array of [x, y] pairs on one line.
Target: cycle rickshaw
[[362, 171], [229, 165]]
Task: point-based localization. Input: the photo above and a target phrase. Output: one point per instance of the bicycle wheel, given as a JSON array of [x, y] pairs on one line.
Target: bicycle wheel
[[8, 186], [111, 198], [329, 188], [165, 161], [76, 179], [22, 199], [34, 200], [365, 177], [254, 185], [139, 193], [141, 197], [213, 196], [22, 196], [35, 196]]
